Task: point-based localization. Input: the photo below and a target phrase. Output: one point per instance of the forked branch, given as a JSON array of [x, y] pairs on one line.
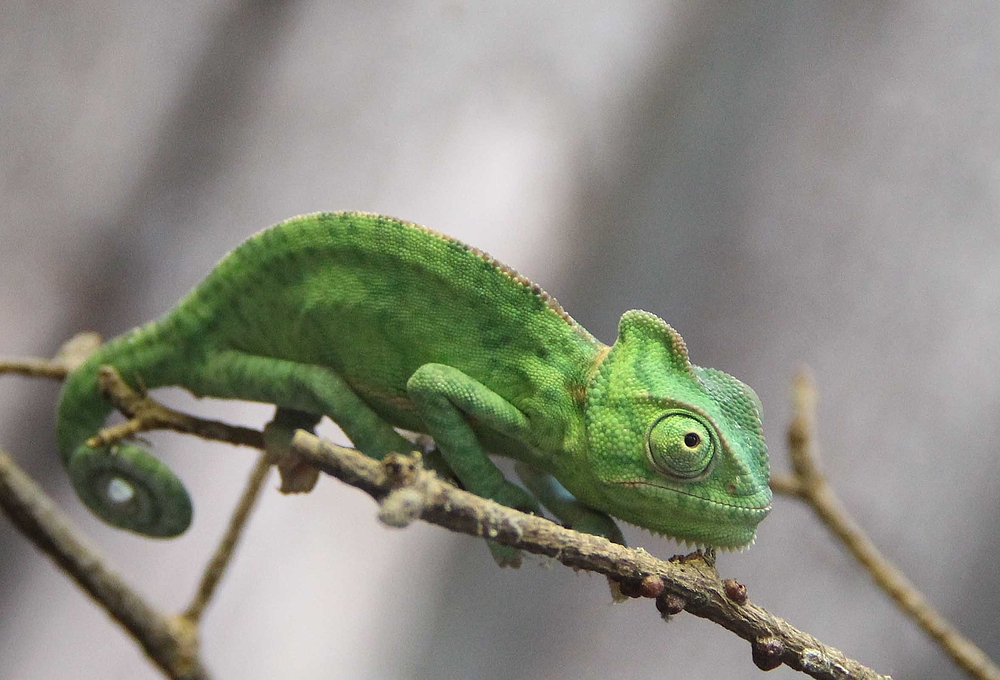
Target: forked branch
[[808, 483], [170, 641], [406, 492]]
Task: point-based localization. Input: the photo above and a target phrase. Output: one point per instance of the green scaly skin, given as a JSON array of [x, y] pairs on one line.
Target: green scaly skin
[[378, 324]]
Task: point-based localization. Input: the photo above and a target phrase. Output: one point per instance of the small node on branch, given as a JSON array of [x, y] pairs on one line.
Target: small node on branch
[[767, 653], [651, 586], [401, 507], [297, 476], [185, 632], [630, 588], [735, 591], [402, 470], [76, 350], [670, 604]]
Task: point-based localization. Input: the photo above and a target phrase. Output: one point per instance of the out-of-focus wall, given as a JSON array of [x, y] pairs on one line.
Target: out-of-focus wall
[[784, 183]]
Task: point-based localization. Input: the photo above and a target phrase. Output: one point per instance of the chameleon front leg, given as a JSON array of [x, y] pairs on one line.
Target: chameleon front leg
[[446, 399], [565, 506]]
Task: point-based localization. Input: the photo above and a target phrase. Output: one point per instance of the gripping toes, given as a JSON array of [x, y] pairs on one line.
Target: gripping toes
[[297, 476], [513, 496], [447, 400]]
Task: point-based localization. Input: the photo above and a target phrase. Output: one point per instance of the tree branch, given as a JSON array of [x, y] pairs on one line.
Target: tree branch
[[407, 492], [171, 642], [809, 484], [73, 352], [216, 567], [145, 414]]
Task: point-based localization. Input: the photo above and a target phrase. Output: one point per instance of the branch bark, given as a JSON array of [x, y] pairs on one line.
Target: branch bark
[[406, 492]]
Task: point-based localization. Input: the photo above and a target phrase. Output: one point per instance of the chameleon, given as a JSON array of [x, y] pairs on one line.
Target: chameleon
[[386, 326]]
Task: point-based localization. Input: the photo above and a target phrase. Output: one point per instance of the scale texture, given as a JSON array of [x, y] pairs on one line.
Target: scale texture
[[382, 324]]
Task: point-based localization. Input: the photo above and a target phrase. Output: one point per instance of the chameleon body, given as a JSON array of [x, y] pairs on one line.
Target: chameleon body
[[382, 324]]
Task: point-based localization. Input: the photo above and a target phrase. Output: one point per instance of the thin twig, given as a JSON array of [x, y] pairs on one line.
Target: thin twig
[[786, 485], [407, 492], [170, 642], [33, 367], [70, 355], [809, 484], [216, 567], [146, 414]]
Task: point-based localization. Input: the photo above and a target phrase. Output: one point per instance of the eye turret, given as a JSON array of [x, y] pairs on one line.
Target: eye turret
[[680, 445]]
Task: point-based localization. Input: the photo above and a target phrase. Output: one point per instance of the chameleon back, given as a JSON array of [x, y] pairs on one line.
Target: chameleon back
[[375, 298]]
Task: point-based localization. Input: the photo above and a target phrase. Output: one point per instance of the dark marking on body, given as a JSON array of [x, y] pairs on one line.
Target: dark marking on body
[[493, 339]]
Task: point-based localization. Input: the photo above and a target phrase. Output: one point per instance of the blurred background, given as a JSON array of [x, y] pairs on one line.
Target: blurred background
[[787, 182]]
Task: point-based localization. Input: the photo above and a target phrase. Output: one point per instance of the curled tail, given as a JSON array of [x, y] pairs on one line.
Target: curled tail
[[121, 483]]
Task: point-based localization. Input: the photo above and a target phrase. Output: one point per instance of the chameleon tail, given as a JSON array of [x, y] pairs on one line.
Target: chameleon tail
[[122, 483]]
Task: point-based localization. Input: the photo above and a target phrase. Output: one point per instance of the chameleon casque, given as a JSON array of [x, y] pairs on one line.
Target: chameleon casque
[[382, 324]]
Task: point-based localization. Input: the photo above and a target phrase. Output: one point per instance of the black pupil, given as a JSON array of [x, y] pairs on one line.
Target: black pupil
[[691, 440]]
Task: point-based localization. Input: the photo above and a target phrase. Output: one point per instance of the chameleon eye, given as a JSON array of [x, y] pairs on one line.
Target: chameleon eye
[[680, 445]]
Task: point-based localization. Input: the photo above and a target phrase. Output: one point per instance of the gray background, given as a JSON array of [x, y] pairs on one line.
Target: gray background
[[784, 182]]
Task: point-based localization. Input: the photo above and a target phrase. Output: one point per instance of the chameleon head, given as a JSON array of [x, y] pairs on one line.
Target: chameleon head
[[129, 488], [675, 448]]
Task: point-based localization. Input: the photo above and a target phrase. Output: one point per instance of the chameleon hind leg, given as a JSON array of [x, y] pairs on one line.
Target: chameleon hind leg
[[296, 389], [446, 400], [297, 476]]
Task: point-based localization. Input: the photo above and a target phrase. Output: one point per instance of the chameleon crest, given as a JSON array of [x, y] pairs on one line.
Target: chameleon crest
[[381, 325]]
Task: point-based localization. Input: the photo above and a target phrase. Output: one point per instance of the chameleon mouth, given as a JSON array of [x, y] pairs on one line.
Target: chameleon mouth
[[750, 508], [730, 525]]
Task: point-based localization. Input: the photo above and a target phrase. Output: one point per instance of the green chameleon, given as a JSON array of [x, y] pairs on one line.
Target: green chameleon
[[382, 324]]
